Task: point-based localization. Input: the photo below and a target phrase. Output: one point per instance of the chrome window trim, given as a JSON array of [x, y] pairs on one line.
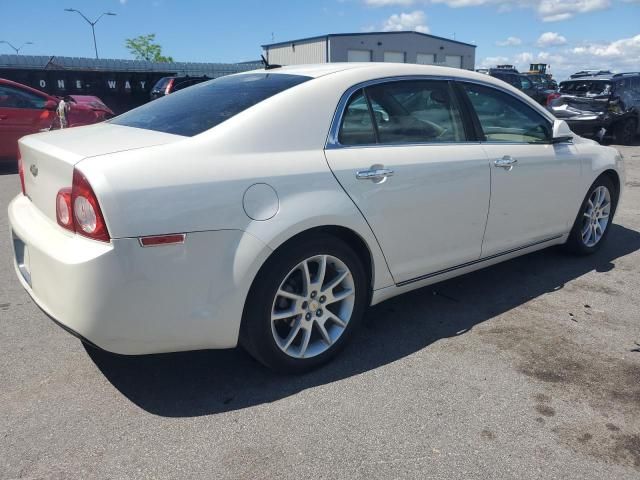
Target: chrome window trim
[[333, 143]]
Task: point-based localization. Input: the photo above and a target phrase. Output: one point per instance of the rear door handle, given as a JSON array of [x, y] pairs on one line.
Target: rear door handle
[[375, 174], [507, 162], [3, 117]]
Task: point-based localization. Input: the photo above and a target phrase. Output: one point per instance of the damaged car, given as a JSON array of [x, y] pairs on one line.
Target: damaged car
[[25, 110], [599, 106]]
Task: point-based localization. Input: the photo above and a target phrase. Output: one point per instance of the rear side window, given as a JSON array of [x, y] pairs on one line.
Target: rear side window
[[416, 112], [504, 118], [402, 112], [357, 127], [203, 106]]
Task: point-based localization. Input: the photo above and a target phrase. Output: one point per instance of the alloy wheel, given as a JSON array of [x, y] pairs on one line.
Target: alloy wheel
[[313, 306], [595, 218]]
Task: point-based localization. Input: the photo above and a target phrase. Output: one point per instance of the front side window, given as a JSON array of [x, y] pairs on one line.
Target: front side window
[[15, 98], [504, 118], [203, 106]]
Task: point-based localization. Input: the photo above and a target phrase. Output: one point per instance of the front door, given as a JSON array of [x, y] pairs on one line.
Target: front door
[[401, 155], [534, 183]]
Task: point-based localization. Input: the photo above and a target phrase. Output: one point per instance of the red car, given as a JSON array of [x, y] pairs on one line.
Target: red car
[[25, 110]]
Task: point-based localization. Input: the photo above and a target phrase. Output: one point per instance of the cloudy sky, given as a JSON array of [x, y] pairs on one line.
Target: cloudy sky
[[568, 34]]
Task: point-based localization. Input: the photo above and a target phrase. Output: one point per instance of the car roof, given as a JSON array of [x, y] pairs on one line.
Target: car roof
[[377, 70], [590, 77]]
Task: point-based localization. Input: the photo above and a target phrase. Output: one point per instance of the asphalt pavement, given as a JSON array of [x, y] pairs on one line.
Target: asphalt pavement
[[526, 370]]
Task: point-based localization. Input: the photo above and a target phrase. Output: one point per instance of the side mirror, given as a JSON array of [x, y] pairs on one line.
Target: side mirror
[[561, 132], [50, 105]]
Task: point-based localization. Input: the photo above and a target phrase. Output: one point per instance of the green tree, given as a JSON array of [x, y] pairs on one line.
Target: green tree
[[144, 47]]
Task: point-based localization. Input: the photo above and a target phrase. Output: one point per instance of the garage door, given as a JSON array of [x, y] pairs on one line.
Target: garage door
[[395, 57], [358, 55], [453, 61], [426, 58]]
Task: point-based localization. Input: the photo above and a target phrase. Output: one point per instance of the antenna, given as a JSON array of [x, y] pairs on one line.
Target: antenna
[[267, 65]]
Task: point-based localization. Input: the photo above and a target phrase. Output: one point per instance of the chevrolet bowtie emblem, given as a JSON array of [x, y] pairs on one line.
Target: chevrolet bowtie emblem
[[34, 169]]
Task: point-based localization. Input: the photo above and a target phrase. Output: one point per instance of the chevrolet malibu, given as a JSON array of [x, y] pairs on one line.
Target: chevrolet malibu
[[271, 208]]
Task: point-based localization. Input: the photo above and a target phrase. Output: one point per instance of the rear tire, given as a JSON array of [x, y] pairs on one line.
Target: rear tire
[[305, 304], [624, 132], [594, 219]]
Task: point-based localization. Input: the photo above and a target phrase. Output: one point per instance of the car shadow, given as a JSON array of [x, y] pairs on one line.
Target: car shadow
[[207, 382], [8, 167]]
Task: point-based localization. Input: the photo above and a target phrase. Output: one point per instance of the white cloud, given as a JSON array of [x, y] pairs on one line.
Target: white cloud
[[415, 21], [123, 2], [551, 39], [547, 10], [509, 42], [621, 55], [389, 3]]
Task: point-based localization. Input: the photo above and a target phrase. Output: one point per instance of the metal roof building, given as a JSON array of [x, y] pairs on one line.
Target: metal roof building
[[402, 47]]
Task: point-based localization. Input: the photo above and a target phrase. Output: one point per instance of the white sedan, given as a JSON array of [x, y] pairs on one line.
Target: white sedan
[[271, 208]]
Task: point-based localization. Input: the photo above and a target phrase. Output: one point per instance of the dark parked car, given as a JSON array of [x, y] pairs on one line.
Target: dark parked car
[[543, 80], [600, 105], [524, 82], [167, 85], [591, 73], [25, 110]]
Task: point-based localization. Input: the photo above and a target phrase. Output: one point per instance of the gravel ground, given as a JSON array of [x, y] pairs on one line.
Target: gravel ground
[[529, 369]]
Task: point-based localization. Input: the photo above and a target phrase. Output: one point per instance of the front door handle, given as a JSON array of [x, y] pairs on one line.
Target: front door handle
[[507, 162], [3, 117], [375, 174]]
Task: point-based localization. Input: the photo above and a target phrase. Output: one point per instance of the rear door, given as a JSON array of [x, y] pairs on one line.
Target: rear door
[[21, 113], [534, 184], [400, 151]]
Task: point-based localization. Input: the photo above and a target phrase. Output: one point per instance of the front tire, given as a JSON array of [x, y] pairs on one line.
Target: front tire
[[594, 219], [305, 304]]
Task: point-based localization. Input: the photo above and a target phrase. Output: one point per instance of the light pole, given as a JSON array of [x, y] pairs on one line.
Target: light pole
[[93, 24], [17, 49]]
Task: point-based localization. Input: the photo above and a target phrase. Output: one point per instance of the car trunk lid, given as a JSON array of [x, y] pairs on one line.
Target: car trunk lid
[[49, 158]]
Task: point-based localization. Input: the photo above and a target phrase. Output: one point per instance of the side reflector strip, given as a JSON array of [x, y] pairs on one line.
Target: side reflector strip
[[156, 241]]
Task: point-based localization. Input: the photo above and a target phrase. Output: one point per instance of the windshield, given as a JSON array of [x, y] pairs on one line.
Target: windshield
[[198, 108], [586, 87]]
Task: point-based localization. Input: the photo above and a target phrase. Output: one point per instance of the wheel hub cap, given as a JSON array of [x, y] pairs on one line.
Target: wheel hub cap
[[312, 306], [596, 216]]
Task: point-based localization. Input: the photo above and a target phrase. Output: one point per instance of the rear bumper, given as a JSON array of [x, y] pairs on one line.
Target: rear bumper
[[132, 300]]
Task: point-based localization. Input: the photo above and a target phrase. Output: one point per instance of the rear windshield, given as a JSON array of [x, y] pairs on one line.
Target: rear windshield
[[161, 84], [198, 108], [586, 87]]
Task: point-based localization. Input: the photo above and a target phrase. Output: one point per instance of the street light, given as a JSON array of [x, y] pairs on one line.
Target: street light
[[17, 49], [93, 24]]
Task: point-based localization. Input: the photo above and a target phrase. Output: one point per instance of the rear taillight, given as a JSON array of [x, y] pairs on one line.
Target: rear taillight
[[78, 210], [167, 89], [21, 173], [64, 214], [551, 97]]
